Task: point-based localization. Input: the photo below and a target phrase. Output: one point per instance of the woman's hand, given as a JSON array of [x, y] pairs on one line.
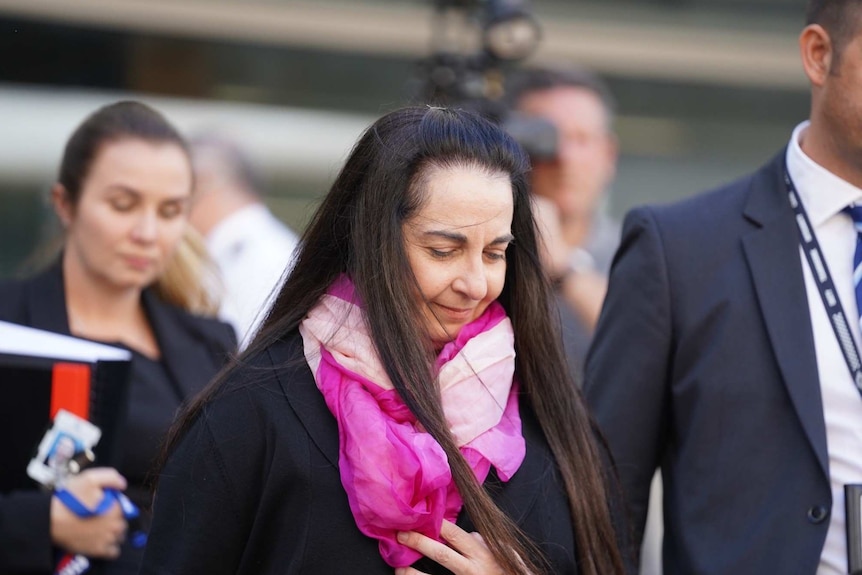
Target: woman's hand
[[99, 536], [466, 554]]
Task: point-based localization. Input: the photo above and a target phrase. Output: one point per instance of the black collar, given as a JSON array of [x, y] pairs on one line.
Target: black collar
[[184, 348]]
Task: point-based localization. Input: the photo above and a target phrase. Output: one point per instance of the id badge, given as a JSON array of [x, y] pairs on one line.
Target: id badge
[[61, 448]]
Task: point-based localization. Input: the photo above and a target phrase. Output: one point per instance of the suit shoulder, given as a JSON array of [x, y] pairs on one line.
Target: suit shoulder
[[12, 300], [283, 359], [256, 386], [713, 209], [727, 196], [218, 330], [12, 288]]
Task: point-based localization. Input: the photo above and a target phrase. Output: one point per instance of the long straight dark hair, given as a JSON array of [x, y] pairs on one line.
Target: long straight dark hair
[[358, 230]]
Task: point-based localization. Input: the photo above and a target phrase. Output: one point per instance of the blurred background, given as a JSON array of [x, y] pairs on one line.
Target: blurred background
[[707, 89]]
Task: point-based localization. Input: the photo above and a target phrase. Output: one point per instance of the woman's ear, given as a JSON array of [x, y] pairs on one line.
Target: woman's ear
[[61, 203]]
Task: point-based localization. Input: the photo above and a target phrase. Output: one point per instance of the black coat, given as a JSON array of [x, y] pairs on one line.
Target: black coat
[[193, 350], [254, 486], [703, 363]]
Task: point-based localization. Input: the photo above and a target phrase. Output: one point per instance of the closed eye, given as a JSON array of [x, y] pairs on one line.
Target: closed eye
[[441, 253], [172, 209], [123, 204], [123, 200]]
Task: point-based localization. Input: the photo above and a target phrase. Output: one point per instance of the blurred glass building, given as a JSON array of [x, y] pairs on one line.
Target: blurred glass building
[[707, 89]]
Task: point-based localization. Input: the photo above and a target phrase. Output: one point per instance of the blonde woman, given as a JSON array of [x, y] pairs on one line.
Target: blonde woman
[[130, 275]]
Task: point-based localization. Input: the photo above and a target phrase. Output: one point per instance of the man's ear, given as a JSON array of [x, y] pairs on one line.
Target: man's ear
[[817, 51], [61, 203]]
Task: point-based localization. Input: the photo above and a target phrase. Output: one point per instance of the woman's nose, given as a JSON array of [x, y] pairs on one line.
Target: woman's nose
[[472, 280], [146, 227]]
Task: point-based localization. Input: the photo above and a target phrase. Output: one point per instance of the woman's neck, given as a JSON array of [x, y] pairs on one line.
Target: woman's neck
[[96, 310]]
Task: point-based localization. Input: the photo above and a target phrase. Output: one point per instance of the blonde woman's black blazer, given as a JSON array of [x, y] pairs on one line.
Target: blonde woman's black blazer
[[193, 350]]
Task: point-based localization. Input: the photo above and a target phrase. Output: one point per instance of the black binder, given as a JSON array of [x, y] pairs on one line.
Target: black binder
[[27, 384]]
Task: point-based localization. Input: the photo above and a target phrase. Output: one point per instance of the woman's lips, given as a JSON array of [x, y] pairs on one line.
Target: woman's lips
[[455, 313], [138, 263]]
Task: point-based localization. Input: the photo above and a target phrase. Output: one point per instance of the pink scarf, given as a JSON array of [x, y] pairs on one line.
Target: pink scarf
[[396, 476]]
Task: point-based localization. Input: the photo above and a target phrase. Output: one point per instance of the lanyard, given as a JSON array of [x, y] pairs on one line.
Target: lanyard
[[823, 279]]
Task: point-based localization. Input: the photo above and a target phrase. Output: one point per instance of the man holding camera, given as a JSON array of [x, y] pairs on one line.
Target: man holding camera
[[575, 181]]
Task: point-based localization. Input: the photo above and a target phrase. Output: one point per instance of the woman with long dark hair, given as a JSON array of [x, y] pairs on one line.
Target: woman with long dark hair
[[405, 390], [129, 274]]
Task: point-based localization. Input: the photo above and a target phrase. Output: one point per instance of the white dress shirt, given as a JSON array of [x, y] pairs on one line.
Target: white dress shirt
[[824, 195], [252, 249]]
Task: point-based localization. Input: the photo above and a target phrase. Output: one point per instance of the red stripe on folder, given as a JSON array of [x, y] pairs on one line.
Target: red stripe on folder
[[70, 389]]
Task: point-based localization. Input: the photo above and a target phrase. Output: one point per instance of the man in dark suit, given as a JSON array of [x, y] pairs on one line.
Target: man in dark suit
[[715, 358]]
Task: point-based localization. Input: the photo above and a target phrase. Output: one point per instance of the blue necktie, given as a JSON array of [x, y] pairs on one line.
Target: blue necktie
[[855, 212]]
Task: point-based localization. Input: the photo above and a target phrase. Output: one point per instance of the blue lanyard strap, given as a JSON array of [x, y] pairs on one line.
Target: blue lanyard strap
[[130, 510], [825, 285]]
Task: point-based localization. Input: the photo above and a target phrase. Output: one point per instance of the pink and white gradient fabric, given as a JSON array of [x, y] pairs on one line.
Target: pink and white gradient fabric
[[396, 476]]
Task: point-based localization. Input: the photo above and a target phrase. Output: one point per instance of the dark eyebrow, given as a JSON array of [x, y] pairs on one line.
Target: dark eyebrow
[[504, 239], [461, 238], [446, 235], [126, 189], [137, 194]]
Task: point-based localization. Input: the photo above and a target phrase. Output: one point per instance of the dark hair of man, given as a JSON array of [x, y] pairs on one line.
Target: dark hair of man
[[528, 80], [840, 19], [118, 121], [358, 226]]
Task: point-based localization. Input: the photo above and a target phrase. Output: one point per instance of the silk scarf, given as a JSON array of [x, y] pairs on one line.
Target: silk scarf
[[396, 476]]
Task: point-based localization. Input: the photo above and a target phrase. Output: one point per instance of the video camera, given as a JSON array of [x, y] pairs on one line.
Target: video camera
[[475, 44]]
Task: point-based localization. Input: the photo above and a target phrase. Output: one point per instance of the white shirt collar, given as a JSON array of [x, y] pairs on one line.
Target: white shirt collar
[[822, 193]]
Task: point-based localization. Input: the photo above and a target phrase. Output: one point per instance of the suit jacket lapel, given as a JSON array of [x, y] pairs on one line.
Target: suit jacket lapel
[[46, 300], [772, 252], [185, 357], [297, 383]]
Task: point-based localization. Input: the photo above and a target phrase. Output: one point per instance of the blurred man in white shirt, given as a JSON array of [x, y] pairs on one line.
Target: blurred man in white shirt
[[251, 247]]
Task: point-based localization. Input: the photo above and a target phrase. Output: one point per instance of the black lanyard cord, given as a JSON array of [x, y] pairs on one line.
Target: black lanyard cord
[[823, 279]]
